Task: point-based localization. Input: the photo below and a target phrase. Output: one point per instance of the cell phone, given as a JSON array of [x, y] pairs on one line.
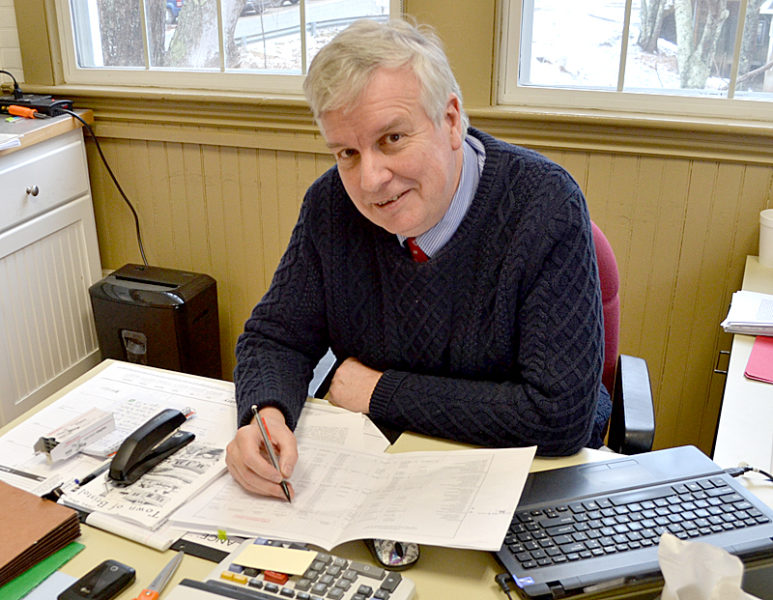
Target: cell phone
[[103, 582]]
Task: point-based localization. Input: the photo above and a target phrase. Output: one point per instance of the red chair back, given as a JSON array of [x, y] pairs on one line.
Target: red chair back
[[610, 300]]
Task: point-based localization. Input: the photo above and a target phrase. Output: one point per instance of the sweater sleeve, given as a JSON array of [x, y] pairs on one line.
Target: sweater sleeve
[[284, 337], [549, 394]]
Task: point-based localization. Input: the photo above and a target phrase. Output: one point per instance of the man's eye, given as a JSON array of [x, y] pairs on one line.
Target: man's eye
[[393, 138], [346, 154]]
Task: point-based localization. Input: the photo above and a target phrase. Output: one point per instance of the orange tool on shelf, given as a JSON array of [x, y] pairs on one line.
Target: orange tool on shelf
[[23, 111]]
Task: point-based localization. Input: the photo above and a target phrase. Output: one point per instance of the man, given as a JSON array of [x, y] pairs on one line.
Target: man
[[487, 331]]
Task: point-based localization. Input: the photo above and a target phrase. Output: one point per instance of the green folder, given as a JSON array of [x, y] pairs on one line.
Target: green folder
[[22, 585]]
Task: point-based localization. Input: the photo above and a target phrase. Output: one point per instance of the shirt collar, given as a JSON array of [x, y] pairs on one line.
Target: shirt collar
[[474, 156]]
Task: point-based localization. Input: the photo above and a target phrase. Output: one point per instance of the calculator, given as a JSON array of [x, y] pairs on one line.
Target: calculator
[[316, 575]]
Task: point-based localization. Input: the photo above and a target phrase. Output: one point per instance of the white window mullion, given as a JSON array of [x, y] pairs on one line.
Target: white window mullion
[[302, 18], [145, 41], [737, 48], [220, 36], [624, 45], [523, 57]]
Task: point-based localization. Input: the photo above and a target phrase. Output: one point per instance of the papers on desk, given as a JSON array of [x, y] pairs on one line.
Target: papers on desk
[[9, 140], [750, 313], [149, 501], [133, 394], [458, 499], [346, 487], [760, 364]]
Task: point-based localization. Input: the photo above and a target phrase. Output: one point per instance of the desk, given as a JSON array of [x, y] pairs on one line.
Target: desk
[[441, 573], [745, 428]]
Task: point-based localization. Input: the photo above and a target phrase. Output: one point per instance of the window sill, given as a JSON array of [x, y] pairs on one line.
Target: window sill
[[638, 133], [251, 120]]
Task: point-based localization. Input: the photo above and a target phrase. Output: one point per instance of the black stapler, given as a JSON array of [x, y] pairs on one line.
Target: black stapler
[[148, 446]]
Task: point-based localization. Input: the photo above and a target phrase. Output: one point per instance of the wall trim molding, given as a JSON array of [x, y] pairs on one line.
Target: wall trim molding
[[285, 123]]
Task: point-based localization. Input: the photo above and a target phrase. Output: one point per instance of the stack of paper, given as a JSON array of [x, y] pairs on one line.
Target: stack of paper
[[750, 313], [9, 140], [33, 529]]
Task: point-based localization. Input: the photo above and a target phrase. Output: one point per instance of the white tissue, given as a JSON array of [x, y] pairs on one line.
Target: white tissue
[[699, 571]]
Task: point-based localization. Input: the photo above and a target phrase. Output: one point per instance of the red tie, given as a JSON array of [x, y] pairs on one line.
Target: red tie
[[416, 252]]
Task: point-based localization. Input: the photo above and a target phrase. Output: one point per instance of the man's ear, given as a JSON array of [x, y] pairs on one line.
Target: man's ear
[[453, 118]]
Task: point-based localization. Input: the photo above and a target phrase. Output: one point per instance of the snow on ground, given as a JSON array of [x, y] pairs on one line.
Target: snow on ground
[[579, 43]]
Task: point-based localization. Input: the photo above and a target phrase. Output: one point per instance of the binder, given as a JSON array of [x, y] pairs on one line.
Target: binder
[[33, 528]]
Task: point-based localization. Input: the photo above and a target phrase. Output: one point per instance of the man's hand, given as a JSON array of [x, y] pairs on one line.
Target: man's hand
[[352, 386], [248, 461]]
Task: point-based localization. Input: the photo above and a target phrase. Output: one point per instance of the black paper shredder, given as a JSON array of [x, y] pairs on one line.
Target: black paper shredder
[[159, 317]]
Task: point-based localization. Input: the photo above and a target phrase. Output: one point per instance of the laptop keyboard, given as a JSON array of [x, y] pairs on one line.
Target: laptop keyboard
[[627, 521]]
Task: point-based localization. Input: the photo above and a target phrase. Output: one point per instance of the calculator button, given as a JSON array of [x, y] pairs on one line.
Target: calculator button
[[274, 577], [391, 582], [367, 570]]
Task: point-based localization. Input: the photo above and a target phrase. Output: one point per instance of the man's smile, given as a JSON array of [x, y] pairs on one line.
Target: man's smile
[[389, 201]]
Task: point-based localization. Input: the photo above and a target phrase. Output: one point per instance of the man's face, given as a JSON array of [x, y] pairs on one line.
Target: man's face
[[399, 169]]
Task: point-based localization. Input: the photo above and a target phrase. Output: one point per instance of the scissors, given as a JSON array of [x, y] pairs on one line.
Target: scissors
[[159, 583]]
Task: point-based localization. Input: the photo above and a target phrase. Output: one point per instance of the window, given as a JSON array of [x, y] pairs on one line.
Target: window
[[698, 57], [250, 45]]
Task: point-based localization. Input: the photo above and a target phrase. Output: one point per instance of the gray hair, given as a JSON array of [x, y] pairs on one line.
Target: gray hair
[[342, 68]]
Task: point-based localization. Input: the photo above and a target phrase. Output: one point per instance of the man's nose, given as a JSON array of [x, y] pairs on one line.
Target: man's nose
[[374, 171]]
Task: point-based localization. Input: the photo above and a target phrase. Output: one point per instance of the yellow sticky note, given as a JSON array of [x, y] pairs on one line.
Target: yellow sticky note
[[275, 558]]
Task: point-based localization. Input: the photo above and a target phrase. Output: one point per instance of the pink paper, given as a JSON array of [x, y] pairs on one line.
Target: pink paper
[[760, 365]]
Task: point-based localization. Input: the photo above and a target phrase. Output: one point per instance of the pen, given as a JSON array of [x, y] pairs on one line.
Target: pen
[[94, 474], [156, 586], [270, 449]]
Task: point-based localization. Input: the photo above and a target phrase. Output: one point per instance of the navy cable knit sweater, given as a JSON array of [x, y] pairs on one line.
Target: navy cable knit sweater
[[496, 341]]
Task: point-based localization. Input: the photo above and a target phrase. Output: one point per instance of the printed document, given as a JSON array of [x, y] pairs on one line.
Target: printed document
[[133, 394], [153, 497], [750, 313], [459, 499]]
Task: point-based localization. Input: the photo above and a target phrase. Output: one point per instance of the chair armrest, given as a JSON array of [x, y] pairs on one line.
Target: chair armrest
[[632, 425]]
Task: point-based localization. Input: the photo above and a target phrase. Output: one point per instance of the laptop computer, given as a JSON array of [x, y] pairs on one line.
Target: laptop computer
[[595, 527]]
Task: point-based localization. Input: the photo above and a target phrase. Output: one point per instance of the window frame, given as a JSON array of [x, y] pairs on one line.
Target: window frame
[[664, 105], [173, 77]]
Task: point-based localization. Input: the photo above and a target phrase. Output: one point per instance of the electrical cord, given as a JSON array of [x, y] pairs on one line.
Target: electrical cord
[[503, 580], [17, 93], [745, 468], [112, 176]]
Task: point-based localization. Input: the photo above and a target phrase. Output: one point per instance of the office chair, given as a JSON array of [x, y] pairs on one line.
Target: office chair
[[632, 424], [631, 427]]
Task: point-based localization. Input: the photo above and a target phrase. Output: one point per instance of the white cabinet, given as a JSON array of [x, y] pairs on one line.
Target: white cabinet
[[48, 259]]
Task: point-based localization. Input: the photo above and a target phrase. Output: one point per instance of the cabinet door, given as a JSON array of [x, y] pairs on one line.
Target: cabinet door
[[47, 333]]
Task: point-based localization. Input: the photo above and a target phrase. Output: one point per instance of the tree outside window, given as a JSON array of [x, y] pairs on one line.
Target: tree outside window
[[713, 48], [272, 36]]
